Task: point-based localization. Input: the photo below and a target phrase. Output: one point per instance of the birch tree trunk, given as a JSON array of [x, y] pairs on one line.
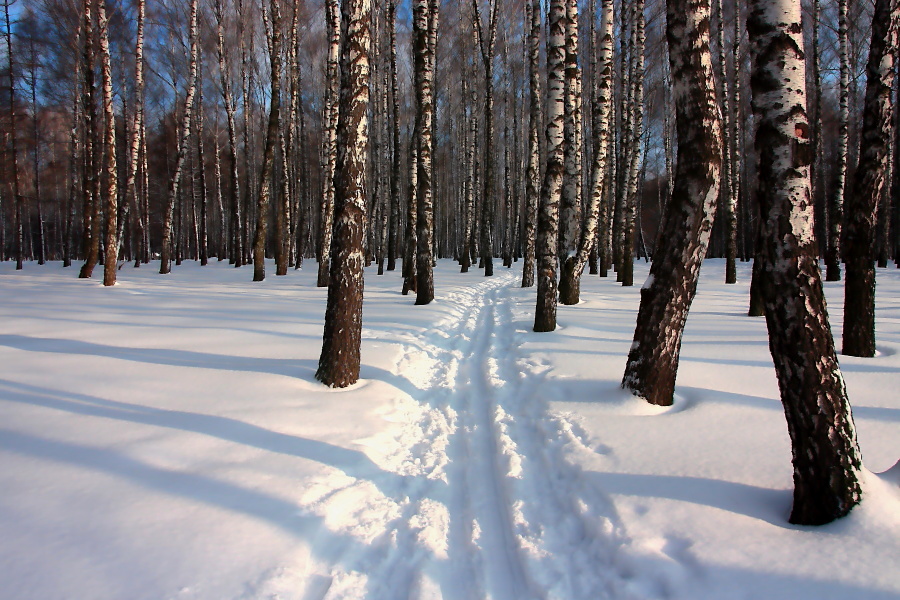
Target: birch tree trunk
[[424, 22], [728, 198], [330, 117], [340, 359], [868, 184], [183, 143], [825, 453], [551, 189], [109, 147], [570, 203], [393, 235], [636, 109], [532, 189], [91, 212], [267, 171], [599, 169], [134, 148], [668, 292], [836, 200]]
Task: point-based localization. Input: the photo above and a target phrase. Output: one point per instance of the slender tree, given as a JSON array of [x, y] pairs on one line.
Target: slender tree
[[533, 176], [91, 211], [18, 199], [667, 295], [869, 182], [340, 359], [109, 146], [825, 452], [330, 119], [836, 201]]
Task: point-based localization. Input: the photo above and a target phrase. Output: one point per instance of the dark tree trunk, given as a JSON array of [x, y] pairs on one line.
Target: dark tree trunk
[[667, 295], [340, 359], [869, 182]]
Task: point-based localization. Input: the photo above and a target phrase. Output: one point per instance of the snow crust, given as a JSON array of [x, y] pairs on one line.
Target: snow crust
[[166, 438]]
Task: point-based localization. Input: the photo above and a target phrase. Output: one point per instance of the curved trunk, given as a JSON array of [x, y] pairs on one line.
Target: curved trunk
[[667, 295]]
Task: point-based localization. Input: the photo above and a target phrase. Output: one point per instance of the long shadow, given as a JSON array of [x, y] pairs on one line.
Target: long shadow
[[772, 506], [352, 462], [294, 368]]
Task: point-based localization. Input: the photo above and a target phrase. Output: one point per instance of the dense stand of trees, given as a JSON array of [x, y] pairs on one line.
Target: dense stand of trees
[[570, 133]]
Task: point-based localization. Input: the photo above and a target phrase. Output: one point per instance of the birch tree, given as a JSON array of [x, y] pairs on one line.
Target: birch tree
[[869, 182], [669, 290], [91, 210], [602, 110], [826, 456], [330, 119], [836, 200], [340, 359], [532, 190], [109, 146], [551, 189], [424, 23]]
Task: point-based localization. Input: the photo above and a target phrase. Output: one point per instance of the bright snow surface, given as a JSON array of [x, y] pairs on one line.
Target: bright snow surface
[[166, 439]]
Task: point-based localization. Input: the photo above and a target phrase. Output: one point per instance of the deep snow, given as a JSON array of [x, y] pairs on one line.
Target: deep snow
[[165, 438]]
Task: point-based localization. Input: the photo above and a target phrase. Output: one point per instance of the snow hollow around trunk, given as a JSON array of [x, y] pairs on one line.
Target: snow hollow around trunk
[[166, 438]]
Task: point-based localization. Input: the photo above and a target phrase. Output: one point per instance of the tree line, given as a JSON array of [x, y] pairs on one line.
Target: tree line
[[571, 134]]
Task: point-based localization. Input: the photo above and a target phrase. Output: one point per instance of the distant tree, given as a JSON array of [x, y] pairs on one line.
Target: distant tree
[[869, 182], [826, 456], [836, 200], [669, 291], [340, 359]]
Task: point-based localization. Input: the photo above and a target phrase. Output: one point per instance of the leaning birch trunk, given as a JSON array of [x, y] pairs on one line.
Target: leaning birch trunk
[[533, 189], [109, 147], [599, 169], [869, 182], [668, 292], [183, 144], [836, 200], [333, 23], [267, 171], [826, 457], [570, 203], [551, 190], [340, 359]]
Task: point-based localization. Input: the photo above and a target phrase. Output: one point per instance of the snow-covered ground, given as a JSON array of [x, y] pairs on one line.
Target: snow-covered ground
[[166, 439]]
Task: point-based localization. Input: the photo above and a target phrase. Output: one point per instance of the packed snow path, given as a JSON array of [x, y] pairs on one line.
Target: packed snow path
[[490, 508]]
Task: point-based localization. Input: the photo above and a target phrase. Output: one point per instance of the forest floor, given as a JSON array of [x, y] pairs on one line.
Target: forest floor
[[166, 439]]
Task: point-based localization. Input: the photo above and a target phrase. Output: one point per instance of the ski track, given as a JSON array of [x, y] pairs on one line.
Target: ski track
[[487, 506]]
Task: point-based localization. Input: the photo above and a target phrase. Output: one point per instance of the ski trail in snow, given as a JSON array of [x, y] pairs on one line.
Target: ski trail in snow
[[487, 505]]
